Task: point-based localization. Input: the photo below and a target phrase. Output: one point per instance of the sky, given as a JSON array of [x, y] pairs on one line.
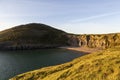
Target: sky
[[73, 16]]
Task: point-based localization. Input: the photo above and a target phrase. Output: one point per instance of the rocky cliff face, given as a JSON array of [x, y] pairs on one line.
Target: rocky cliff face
[[73, 40], [34, 35], [95, 41]]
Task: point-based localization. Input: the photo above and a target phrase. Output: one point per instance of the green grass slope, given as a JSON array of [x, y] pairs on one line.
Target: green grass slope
[[104, 65], [33, 34]]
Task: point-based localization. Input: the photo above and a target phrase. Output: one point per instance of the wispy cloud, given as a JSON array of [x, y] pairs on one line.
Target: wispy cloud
[[95, 17], [103, 23]]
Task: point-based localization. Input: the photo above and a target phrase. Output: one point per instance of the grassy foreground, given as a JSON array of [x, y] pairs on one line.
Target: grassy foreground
[[103, 65]]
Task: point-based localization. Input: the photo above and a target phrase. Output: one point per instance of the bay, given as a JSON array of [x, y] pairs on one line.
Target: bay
[[16, 62]]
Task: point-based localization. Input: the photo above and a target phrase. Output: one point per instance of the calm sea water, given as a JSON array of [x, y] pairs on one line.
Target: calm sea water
[[16, 62]]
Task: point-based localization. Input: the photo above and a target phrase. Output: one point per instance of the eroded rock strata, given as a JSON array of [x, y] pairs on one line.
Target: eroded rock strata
[[96, 41], [36, 36]]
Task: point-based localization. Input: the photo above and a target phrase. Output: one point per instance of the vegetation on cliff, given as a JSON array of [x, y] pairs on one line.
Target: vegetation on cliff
[[104, 65], [99, 40], [32, 35], [35, 35]]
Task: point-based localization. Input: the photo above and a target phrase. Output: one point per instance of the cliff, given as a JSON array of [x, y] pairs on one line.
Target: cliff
[[36, 36], [32, 36], [101, 41]]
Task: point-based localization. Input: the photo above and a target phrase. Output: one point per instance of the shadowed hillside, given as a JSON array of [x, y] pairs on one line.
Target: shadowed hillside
[[104, 65], [35, 36], [31, 36]]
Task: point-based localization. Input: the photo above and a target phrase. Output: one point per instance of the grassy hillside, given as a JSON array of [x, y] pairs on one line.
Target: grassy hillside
[[33, 34], [104, 65]]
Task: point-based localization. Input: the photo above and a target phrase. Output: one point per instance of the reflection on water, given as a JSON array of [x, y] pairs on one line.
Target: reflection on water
[[16, 62]]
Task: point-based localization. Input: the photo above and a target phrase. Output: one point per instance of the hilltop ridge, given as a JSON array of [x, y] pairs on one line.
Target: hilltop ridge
[[37, 35], [31, 36]]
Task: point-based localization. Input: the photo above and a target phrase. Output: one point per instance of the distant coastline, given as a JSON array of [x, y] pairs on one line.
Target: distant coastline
[[39, 36]]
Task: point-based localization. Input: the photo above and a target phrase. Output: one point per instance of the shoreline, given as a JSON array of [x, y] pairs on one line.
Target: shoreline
[[82, 49]]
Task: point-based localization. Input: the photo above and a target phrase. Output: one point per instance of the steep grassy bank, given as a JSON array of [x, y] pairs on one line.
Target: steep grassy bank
[[104, 65]]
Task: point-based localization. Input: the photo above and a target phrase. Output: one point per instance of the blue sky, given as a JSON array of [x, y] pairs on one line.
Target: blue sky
[[73, 16]]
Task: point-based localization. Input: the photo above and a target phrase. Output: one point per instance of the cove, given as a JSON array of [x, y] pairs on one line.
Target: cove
[[16, 62]]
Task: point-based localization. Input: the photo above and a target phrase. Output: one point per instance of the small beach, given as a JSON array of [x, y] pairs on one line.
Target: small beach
[[83, 49]]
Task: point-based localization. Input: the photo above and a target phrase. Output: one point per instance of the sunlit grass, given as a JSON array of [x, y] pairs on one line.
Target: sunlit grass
[[104, 65]]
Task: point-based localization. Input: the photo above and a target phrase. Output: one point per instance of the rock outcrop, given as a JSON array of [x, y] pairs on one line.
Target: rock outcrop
[[35, 36], [99, 41], [95, 41]]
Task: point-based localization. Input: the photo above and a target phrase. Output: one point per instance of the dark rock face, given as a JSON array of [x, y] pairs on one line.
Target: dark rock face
[[73, 41]]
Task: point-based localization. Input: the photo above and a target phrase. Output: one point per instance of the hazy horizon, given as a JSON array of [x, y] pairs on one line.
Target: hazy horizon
[[79, 17]]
